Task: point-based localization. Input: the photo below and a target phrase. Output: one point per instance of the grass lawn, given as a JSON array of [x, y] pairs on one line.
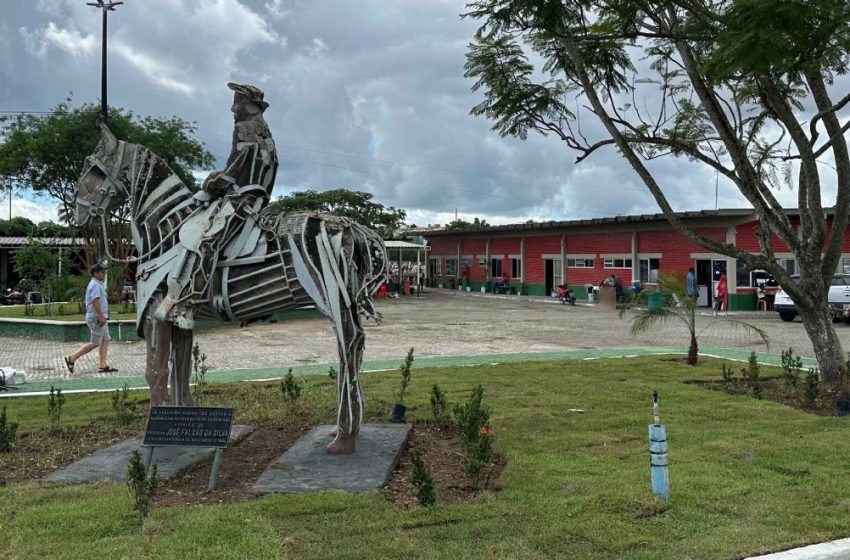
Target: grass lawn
[[17, 312], [747, 476]]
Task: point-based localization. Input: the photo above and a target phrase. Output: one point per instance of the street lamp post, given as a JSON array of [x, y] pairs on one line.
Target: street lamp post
[[106, 7]]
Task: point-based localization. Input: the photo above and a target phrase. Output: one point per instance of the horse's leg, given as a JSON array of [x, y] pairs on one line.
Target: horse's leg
[[158, 345], [350, 343], [182, 344]]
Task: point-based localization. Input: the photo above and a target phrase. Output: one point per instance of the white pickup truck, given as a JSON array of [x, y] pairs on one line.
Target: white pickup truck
[[839, 299]]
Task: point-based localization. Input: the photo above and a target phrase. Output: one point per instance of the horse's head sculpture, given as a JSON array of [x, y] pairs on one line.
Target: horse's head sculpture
[[101, 188]]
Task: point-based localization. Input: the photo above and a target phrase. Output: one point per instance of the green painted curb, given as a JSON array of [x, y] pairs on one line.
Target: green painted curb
[[224, 376]]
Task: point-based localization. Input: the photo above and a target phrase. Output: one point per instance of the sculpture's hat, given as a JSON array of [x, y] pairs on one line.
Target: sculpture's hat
[[255, 94]]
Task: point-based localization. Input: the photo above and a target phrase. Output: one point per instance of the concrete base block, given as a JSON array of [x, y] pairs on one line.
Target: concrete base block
[[307, 467], [110, 463]]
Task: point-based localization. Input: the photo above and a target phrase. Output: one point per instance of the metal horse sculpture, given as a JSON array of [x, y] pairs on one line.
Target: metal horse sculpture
[[241, 269]]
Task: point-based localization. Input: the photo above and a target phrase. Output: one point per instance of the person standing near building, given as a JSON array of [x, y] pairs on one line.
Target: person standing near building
[[722, 294], [97, 318], [691, 284]]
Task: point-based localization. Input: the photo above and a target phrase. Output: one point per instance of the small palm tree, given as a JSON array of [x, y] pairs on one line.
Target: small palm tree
[[676, 305]]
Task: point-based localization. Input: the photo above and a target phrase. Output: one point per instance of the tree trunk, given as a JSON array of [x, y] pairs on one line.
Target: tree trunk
[[828, 350], [693, 350]]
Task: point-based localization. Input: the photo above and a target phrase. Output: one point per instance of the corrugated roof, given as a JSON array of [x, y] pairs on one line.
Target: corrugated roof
[[404, 245], [6, 241], [728, 213]]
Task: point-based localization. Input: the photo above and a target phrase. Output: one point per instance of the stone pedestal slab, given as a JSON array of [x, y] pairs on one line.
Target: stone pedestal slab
[[110, 463], [307, 467]]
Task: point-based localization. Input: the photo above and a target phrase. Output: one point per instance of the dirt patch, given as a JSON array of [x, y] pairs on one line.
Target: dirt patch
[[773, 389], [440, 449], [41, 452]]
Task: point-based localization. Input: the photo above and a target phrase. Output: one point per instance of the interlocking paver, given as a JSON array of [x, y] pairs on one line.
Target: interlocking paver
[[440, 323]]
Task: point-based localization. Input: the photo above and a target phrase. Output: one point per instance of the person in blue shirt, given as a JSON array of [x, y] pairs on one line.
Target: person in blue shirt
[[97, 318], [692, 283]]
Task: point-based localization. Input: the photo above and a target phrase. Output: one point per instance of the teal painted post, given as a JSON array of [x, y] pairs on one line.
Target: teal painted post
[[658, 454]]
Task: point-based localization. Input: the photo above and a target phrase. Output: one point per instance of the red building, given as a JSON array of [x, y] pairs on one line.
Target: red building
[[539, 256]]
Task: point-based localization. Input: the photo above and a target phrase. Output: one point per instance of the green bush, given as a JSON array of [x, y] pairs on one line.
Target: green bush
[[426, 495], [122, 406], [439, 404], [290, 389], [142, 486], [8, 432], [332, 373], [811, 386], [404, 370], [727, 373], [751, 375], [792, 366], [473, 422], [55, 402]]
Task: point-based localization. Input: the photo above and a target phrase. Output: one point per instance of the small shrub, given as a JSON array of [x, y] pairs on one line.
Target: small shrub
[[122, 406], [425, 493], [751, 375], [811, 386], [473, 422], [142, 486], [290, 389], [404, 370], [792, 366], [55, 402], [8, 432], [727, 373], [199, 374], [478, 456], [471, 416], [439, 404], [332, 373]]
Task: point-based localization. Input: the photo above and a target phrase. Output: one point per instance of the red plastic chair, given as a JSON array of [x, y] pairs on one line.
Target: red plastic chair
[[382, 291]]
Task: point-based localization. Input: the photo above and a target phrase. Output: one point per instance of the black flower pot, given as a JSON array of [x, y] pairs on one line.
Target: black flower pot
[[842, 405], [397, 415]]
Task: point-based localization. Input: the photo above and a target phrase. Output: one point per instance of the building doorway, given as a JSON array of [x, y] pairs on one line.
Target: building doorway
[[704, 282], [552, 268]]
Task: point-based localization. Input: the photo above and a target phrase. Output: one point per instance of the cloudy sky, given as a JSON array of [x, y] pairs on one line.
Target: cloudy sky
[[365, 95]]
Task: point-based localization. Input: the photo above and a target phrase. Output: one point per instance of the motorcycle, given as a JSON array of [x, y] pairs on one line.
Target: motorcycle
[[13, 298]]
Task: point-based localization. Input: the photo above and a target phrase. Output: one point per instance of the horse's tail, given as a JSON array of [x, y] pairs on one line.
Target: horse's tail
[[371, 261], [371, 258]]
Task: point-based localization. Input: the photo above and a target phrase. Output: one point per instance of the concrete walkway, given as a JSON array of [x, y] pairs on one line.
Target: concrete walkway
[[445, 327]]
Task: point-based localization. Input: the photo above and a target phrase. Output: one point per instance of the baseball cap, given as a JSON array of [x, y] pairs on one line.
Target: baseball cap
[[97, 267]]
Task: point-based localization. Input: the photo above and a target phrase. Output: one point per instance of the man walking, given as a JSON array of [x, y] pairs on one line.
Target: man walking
[[97, 316]]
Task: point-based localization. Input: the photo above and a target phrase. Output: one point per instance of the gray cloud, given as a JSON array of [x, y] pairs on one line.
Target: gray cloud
[[365, 95]]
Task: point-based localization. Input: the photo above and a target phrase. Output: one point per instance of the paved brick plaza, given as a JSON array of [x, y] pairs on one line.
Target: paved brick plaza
[[440, 323]]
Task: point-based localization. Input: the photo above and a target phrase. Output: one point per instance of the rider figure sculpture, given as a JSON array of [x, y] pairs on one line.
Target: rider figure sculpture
[[233, 198]]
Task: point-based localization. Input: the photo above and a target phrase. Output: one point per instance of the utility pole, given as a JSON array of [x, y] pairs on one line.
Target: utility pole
[[106, 7]]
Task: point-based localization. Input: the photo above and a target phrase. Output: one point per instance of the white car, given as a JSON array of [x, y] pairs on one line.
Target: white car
[[839, 299]]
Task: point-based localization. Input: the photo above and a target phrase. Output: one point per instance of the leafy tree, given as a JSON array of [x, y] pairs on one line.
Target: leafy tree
[[352, 204], [744, 87], [464, 225], [677, 307], [47, 153]]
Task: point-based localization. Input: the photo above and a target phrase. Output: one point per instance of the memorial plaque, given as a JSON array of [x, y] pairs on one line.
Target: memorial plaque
[[190, 426]]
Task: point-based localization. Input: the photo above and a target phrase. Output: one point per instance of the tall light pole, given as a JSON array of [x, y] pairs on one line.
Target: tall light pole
[[106, 7]]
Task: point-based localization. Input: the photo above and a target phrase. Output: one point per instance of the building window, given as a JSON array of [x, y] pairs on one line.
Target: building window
[[434, 267], [516, 268], [648, 273], [845, 266], [467, 262], [579, 263], [495, 268], [617, 263], [451, 266]]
